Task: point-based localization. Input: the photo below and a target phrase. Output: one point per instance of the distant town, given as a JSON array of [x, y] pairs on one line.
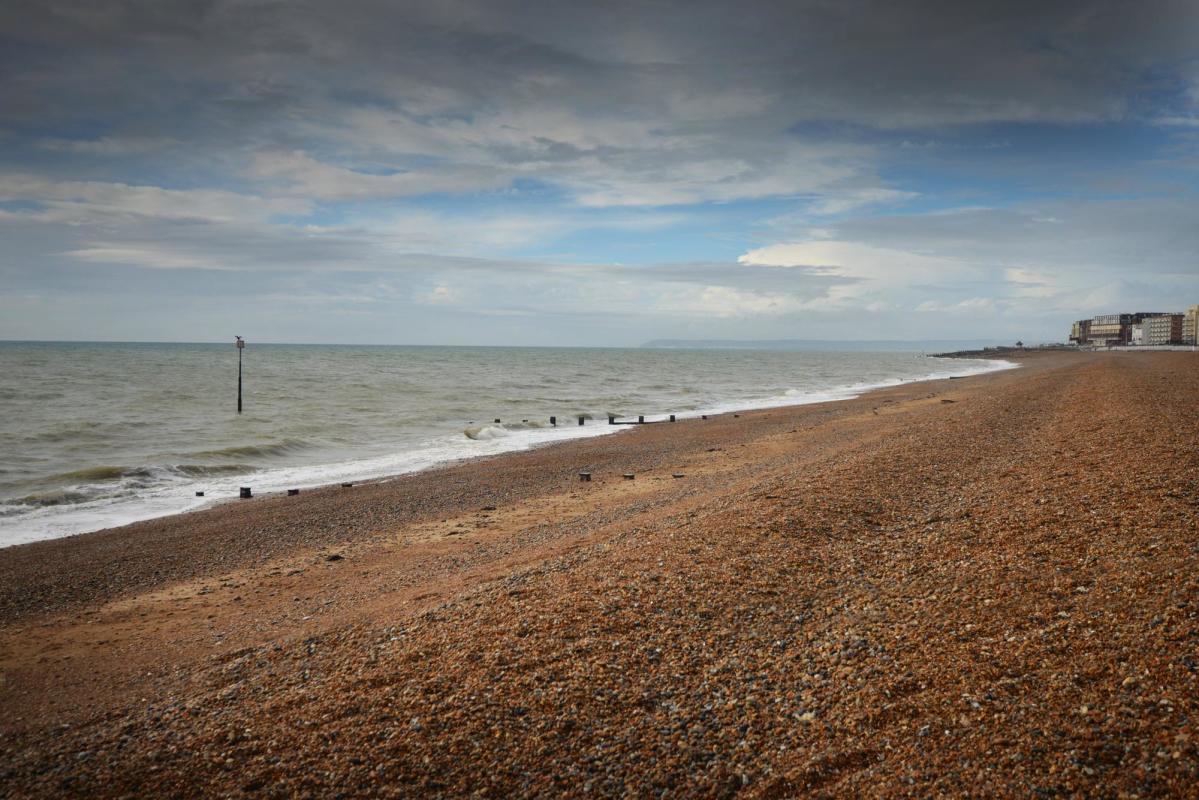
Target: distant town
[[1140, 329]]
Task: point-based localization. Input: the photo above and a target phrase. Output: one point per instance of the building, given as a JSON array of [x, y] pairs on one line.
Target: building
[[1080, 331], [1110, 330], [1163, 329], [1190, 325]]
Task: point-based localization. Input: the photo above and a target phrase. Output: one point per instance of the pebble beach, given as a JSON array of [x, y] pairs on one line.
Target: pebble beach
[[985, 586]]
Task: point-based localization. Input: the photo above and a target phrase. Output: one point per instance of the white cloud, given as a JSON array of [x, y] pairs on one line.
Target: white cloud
[[793, 171], [726, 301], [1176, 121], [440, 295], [83, 201], [300, 174], [876, 265], [415, 231], [1031, 283], [146, 256], [839, 203], [971, 305], [1029, 265]]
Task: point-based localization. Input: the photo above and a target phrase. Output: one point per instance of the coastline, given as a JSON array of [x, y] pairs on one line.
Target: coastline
[[61, 521], [879, 596], [104, 548]]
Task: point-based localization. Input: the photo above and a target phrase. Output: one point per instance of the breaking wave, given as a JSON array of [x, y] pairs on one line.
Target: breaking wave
[[272, 450]]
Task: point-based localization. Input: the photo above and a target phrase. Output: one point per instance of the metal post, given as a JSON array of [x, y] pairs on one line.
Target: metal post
[[241, 345]]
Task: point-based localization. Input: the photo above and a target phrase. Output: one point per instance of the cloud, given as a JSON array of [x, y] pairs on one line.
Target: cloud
[[793, 170], [1048, 260], [1177, 121], [860, 260], [389, 264], [855, 199], [1031, 283], [696, 103], [440, 295], [971, 305], [81, 201], [110, 145], [727, 301], [298, 174], [146, 256], [377, 153]]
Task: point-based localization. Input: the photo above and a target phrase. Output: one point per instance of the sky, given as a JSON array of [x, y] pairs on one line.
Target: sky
[[593, 173]]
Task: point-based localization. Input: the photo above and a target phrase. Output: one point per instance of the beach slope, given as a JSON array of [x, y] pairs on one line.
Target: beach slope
[[978, 586]]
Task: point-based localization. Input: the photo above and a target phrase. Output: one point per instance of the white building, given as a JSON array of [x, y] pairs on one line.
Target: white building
[[1137, 334], [1164, 329]]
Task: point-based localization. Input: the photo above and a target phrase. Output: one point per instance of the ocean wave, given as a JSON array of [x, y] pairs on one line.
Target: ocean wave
[[526, 424], [272, 450], [496, 430], [108, 481], [210, 470], [53, 497], [483, 433], [89, 475]]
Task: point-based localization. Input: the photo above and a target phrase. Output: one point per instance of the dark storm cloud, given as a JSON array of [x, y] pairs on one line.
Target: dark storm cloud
[[470, 73], [622, 103], [864, 49]]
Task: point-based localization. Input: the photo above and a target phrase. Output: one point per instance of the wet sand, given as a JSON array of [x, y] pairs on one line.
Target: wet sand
[[986, 585]]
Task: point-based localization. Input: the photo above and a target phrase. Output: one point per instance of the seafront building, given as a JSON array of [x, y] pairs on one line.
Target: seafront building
[[1164, 329], [1190, 325], [1148, 328]]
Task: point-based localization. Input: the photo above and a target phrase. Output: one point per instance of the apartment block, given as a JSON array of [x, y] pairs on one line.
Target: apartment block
[[1163, 329], [1080, 331], [1139, 328], [1190, 325], [1109, 329]]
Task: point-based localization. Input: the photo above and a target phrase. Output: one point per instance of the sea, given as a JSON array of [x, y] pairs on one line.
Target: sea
[[94, 435]]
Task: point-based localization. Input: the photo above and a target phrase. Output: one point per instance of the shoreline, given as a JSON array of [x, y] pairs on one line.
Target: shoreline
[[104, 546], [934, 589], [357, 470]]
